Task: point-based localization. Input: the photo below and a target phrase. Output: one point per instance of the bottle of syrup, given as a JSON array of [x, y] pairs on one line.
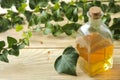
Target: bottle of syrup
[[94, 44]]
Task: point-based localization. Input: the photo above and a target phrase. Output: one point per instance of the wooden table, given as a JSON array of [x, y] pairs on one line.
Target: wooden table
[[36, 62]]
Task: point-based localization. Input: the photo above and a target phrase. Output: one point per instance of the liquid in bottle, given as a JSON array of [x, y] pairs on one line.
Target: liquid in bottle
[[94, 44]]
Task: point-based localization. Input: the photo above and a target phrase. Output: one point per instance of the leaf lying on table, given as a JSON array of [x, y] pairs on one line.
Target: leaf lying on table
[[66, 63]]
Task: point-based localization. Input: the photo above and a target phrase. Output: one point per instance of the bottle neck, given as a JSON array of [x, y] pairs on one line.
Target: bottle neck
[[95, 23]]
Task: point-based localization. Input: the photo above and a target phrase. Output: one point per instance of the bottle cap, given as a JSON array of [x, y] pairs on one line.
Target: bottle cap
[[95, 12]]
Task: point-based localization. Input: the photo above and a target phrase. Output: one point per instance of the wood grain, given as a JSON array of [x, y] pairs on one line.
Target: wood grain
[[38, 64], [40, 40]]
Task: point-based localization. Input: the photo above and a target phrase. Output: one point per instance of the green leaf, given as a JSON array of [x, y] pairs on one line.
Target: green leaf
[[41, 3], [70, 28], [31, 22], [6, 3], [115, 25], [104, 7], [2, 44], [45, 17], [33, 3], [115, 28], [57, 30], [3, 56], [11, 41], [106, 19], [18, 28], [5, 24], [69, 12], [96, 3], [80, 4], [48, 28], [21, 46], [34, 20], [22, 8], [75, 15], [54, 1], [85, 10], [15, 18], [66, 63], [114, 8], [14, 52], [64, 6], [56, 6], [19, 3], [116, 36], [57, 15], [26, 41], [28, 15], [27, 34]]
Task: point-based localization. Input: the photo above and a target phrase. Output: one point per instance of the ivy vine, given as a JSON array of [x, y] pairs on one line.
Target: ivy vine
[[50, 13]]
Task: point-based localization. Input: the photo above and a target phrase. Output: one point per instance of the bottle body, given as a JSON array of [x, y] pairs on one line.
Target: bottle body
[[95, 47]]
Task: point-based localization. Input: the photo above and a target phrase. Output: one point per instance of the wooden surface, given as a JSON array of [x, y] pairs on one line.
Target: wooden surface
[[36, 62]]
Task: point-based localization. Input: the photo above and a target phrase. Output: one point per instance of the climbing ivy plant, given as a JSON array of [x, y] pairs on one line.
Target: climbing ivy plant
[[46, 16]]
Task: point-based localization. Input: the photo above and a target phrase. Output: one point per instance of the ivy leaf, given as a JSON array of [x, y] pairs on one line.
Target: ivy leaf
[[54, 1], [104, 7], [114, 8], [2, 44], [106, 19], [21, 46], [14, 51], [32, 3], [19, 28], [115, 25], [66, 63], [26, 41], [57, 15], [3, 56], [75, 15], [27, 34], [31, 22], [80, 4], [34, 20], [6, 3], [45, 17], [70, 28], [48, 28], [11, 41], [41, 3], [115, 28], [15, 18], [64, 6], [19, 3], [28, 15], [85, 10], [5, 24], [22, 8], [57, 30], [97, 3], [71, 13], [56, 6]]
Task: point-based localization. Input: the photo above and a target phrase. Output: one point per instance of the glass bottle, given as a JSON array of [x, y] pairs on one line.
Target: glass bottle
[[94, 44]]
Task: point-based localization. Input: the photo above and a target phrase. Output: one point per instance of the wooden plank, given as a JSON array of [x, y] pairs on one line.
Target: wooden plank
[[38, 64], [40, 40]]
